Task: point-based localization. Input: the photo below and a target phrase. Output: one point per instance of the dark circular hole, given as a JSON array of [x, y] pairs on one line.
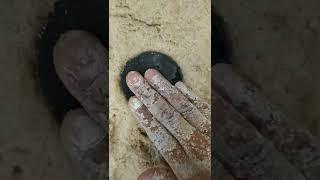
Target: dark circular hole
[[151, 59]]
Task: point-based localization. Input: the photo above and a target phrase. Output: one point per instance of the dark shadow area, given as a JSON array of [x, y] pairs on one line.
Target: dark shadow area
[[150, 59], [221, 46], [266, 103], [87, 15]]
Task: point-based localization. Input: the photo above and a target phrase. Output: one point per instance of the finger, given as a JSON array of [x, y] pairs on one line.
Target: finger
[[204, 107], [178, 101], [163, 173], [166, 144], [269, 120], [195, 144], [79, 60], [159, 107], [157, 173], [242, 149], [86, 143]]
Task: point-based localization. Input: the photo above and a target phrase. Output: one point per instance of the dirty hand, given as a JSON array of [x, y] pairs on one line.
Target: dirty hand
[[176, 121]]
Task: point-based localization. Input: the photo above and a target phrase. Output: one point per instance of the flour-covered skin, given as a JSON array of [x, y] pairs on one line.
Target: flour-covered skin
[[167, 117], [178, 101], [296, 144], [166, 144], [158, 173], [80, 62], [204, 107]]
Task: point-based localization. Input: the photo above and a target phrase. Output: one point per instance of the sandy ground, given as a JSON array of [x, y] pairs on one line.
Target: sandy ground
[[276, 43], [180, 29], [30, 146]]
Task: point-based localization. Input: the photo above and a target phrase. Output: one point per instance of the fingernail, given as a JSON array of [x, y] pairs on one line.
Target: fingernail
[[150, 73], [134, 103], [134, 79], [179, 83]]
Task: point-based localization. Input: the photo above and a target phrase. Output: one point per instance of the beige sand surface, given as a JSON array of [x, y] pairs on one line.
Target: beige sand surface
[[179, 28], [30, 147], [276, 44]]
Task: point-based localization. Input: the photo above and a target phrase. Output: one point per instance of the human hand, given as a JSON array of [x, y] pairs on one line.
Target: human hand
[[254, 139], [176, 121]]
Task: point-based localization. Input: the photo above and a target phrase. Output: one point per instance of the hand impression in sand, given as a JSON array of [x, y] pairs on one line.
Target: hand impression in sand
[[177, 121]]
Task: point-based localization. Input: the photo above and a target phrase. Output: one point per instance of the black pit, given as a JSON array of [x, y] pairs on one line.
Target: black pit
[[221, 45], [150, 59]]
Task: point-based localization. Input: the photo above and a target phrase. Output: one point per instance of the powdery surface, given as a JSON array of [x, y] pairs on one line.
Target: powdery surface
[[181, 29], [276, 44], [30, 146]]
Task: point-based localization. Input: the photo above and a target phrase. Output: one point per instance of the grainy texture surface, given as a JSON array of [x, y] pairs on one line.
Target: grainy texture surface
[[30, 146], [243, 150], [220, 172], [151, 59], [180, 29], [296, 144], [276, 43]]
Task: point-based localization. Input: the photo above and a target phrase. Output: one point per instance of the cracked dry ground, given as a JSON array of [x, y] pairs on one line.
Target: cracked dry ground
[[132, 18]]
